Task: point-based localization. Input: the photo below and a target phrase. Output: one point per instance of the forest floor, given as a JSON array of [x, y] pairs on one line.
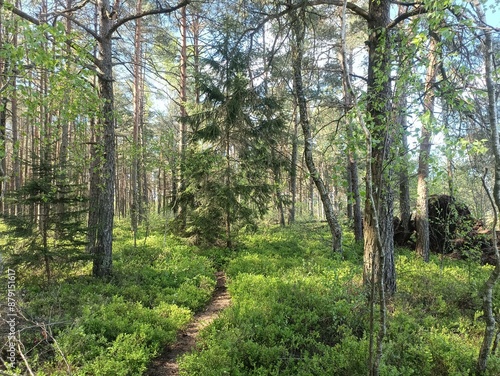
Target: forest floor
[[166, 363]]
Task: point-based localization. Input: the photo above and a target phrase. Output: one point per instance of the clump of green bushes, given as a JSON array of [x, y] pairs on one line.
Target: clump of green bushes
[[80, 325], [298, 310]]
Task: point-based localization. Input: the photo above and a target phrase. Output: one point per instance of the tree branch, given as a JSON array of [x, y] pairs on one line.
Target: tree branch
[[404, 16], [79, 24], [132, 17], [24, 15]]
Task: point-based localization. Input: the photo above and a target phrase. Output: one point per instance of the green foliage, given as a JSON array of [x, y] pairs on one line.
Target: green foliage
[[229, 160], [296, 311], [115, 327], [292, 309], [49, 227]]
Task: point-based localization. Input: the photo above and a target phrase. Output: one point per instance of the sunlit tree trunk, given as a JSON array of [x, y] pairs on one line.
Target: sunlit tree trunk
[[422, 207], [379, 270]]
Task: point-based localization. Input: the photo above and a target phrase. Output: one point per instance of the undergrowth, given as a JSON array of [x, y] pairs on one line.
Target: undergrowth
[[298, 310], [79, 325]]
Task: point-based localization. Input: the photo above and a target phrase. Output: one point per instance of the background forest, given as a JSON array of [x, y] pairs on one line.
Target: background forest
[[330, 156]]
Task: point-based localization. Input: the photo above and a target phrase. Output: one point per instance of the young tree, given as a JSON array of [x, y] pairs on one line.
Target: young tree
[[487, 293], [298, 38]]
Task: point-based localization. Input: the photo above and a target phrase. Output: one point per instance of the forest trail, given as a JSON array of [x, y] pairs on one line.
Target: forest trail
[[166, 363]]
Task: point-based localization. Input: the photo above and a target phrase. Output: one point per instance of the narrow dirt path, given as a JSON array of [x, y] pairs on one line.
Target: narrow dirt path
[[166, 363]]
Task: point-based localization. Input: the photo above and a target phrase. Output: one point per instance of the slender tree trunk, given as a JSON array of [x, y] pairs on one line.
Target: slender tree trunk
[[138, 116], [183, 120], [422, 207], [293, 168], [352, 166], [487, 293], [4, 79], [298, 53], [277, 182], [404, 179], [3, 149], [228, 219]]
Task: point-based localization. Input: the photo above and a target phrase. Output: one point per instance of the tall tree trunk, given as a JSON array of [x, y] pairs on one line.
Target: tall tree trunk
[[4, 82], [487, 291], [16, 143], [378, 109], [138, 116], [379, 270], [422, 207], [3, 148], [298, 29], [401, 94], [183, 120], [102, 189], [293, 167], [352, 167]]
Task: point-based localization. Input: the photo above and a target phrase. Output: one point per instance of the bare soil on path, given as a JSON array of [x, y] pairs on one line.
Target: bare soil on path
[[166, 363]]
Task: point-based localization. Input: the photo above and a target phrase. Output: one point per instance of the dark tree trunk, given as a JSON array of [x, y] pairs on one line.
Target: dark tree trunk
[[183, 129], [487, 293], [102, 189]]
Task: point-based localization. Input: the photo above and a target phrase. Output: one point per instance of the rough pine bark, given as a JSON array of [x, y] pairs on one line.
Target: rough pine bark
[[102, 188], [183, 139]]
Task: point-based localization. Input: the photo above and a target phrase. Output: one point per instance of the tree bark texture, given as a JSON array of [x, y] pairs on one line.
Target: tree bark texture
[[138, 119], [183, 120], [378, 109], [102, 189]]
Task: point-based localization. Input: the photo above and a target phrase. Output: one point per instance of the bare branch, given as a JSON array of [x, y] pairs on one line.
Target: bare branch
[[405, 16], [88, 30], [168, 10], [24, 15]]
